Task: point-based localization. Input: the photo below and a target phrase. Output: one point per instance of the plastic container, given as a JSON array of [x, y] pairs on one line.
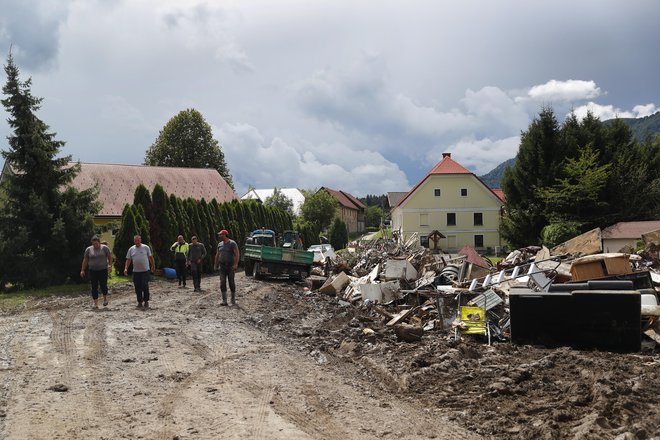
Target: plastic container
[[169, 273]]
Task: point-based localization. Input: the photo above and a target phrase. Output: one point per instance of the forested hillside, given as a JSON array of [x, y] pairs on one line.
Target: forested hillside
[[641, 128]]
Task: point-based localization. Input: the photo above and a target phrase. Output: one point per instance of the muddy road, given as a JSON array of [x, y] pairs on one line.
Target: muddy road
[[289, 364]]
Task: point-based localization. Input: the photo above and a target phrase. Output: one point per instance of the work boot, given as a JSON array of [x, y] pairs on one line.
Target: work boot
[[139, 306], [146, 304]]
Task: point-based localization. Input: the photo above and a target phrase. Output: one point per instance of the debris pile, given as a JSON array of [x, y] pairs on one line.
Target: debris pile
[[409, 290]]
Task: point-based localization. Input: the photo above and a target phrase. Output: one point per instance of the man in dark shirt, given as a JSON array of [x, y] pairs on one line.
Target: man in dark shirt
[[196, 254], [226, 260]]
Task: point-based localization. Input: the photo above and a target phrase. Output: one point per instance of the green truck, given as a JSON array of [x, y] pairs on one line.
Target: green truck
[[264, 257]]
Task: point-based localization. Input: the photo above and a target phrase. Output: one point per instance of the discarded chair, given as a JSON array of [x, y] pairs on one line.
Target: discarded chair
[[473, 321]]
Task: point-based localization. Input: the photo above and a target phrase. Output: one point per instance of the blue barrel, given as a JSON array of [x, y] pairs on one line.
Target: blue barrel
[[169, 273]]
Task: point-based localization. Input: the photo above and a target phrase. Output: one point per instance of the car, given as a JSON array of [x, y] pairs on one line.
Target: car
[[322, 252]]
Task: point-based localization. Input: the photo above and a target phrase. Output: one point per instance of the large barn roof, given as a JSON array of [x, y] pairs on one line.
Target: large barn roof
[[117, 183]]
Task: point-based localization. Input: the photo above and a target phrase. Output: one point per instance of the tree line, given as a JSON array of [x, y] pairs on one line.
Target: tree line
[[571, 177], [159, 218]]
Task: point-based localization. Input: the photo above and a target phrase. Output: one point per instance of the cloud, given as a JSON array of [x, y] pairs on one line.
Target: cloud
[[261, 163], [566, 91], [203, 26], [361, 100], [18, 20], [605, 112], [479, 155]]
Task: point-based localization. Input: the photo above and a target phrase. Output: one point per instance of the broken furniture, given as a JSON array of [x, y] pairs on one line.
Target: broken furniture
[[600, 266]]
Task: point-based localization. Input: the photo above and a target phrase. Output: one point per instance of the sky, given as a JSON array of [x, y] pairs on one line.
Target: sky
[[362, 96]]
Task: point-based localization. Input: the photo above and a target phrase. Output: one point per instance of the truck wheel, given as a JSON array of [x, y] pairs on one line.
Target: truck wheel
[[249, 268], [257, 274]]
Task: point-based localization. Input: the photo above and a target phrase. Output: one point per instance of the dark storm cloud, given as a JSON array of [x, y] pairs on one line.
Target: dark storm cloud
[[32, 28]]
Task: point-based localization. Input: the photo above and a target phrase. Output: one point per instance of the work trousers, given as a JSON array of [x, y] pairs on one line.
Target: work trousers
[[181, 271], [99, 277], [196, 270], [227, 273], [141, 283]]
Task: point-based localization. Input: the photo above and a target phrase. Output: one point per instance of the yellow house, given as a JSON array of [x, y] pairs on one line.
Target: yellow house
[[453, 200]]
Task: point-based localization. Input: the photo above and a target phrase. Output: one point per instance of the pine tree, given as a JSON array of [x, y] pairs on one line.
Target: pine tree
[[124, 238], [539, 157], [44, 224], [142, 223], [338, 234], [161, 227]]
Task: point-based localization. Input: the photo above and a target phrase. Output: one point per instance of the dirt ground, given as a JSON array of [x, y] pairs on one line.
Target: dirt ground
[[290, 364]]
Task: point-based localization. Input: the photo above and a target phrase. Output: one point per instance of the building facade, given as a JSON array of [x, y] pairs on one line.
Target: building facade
[[454, 201]]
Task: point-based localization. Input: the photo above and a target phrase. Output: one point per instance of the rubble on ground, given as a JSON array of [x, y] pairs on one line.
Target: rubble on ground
[[409, 291]]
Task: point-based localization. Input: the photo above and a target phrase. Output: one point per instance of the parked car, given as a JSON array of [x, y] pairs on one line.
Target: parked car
[[322, 252]]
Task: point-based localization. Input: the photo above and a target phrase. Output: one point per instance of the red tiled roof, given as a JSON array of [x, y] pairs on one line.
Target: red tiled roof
[[499, 193], [117, 183], [630, 229], [447, 166], [345, 199], [353, 199]]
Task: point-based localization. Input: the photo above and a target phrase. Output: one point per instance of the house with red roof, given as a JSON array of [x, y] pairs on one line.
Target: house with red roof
[[454, 201], [349, 209]]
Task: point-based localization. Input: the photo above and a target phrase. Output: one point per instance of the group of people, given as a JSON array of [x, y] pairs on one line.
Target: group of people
[[97, 264]]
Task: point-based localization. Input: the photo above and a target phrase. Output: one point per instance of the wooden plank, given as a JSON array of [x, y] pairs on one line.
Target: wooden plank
[[588, 243], [399, 316], [653, 335]]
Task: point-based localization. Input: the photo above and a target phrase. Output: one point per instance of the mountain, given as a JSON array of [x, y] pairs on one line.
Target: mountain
[[494, 177], [642, 128]]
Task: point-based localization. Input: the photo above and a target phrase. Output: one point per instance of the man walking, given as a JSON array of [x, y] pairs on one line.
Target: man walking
[[143, 262], [196, 255], [98, 259], [226, 259], [180, 248]]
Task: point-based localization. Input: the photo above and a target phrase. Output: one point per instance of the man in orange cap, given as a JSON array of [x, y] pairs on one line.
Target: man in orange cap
[[226, 260]]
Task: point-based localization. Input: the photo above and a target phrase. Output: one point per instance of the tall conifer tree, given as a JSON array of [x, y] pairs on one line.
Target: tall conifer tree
[[44, 224]]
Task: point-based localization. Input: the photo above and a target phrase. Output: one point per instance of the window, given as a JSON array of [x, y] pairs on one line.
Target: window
[[463, 192], [478, 219], [436, 192], [423, 219], [478, 241], [451, 219]]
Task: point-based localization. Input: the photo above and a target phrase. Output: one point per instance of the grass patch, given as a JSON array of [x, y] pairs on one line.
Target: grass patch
[[11, 300]]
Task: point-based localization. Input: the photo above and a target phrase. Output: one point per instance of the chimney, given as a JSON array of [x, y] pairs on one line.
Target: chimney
[[446, 155]]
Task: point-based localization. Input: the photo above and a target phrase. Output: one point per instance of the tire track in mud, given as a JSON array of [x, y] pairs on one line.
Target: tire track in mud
[[95, 343], [257, 431], [7, 363], [212, 360], [317, 421], [60, 334], [61, 337]]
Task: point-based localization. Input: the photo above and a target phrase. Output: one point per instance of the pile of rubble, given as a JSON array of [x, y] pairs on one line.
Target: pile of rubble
[[410, 290]]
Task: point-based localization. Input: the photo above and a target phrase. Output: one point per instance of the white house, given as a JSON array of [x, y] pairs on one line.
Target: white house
[[294, 194]]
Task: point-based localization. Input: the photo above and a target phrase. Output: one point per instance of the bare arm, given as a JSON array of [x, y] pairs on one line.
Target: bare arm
[[237, 256], [128, 263], [152, 263], [84, 266], [109, 262]]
